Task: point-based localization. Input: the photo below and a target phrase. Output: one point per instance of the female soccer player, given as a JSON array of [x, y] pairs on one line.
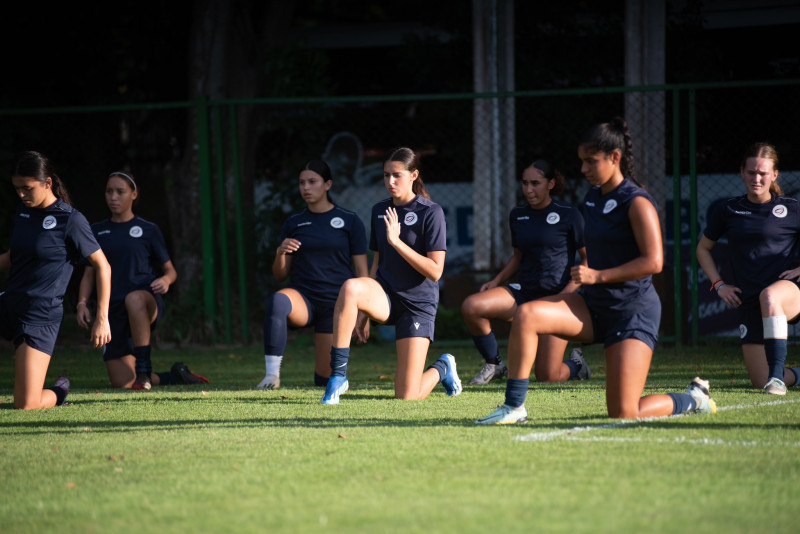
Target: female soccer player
[[545, 235], [320, 248], [408, 236], [49, 235], [619, 304], [133, 247], [762, 228]]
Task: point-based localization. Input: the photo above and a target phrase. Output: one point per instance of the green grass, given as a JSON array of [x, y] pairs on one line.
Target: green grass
[[226, 458]]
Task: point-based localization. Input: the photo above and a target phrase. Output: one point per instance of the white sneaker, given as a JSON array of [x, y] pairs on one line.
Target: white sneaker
[[698, 389], [505, 415], [270, 382], [775, 386]]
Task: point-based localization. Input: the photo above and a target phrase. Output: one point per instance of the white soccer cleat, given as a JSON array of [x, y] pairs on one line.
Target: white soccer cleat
[[698, 389], [505, 415], [270, 382]]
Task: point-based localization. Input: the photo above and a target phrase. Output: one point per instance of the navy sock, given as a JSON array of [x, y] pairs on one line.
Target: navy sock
[[441, 367], [487, 347], [573, 368], [143, 363], [339, 359], [776, 357], [167, 379], [516, 390], [276, 330], [796, 372], [320, 380], [61, 395], [682, 402]]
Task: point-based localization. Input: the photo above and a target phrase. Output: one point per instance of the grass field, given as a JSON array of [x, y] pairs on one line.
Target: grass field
[[227, 458]]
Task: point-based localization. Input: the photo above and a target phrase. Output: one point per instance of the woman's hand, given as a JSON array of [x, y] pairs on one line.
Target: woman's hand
[[581, 274], [792, 274], [101, 332], [84, 315], [361, 331], [730, 295], [159, 286], [289, 246], [491, 284], [392, 226]]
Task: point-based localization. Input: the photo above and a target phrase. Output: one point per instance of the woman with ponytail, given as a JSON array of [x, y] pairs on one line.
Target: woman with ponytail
[[49, 236], [409, 238], [618, 305], [763, 227]]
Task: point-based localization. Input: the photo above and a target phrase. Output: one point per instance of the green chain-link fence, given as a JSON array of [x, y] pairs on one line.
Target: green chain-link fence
[[687, 139]]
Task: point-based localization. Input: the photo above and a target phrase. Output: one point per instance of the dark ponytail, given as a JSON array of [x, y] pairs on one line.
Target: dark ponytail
[[609, 136], [410, 161], [32, 164]]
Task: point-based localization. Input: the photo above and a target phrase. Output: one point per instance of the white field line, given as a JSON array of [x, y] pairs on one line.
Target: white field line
[[569, 433]]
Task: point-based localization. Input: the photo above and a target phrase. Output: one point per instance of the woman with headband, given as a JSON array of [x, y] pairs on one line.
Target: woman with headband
[[133, 246], [545, 234]]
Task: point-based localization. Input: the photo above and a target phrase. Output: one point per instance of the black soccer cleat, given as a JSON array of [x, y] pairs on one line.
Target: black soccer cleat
[[183, 375]]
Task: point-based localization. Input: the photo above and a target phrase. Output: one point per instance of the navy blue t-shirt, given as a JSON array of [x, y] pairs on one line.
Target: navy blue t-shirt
[[422, 227], [610, 242], [762, 239], [324, 261], [136, 252], [45, 245], [548, 240]]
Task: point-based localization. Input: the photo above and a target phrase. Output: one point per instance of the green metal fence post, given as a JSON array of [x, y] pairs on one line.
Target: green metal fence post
[[693, 209], [223, 224], [207, 211], [240, 255], [677, 244]]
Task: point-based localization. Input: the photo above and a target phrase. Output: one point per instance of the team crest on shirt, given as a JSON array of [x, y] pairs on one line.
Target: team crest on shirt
[[135, 232], [410, 219], [609, 207], [49, 222], [553, 218], [742, 330], [779, 211], [337, 222]]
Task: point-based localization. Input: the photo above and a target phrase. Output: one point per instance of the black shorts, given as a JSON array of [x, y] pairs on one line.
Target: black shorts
[[121, 343], [320, 314], [751, 323], [521, 296], [15, 325], [612, 326], [407, 323]]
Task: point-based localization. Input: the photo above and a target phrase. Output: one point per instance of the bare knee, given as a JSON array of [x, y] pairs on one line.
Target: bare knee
[[136, 300], [549, 375]]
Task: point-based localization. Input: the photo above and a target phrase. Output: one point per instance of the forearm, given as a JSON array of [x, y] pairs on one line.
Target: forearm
[[426, 266]]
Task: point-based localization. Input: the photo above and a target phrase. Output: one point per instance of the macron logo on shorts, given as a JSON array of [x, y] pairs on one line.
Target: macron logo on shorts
[[416, 325], [742, 331]]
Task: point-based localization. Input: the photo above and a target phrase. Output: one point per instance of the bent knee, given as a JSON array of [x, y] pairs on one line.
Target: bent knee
[[136, 300]]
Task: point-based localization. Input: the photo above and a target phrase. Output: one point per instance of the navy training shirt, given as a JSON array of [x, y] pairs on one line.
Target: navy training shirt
[[762, 240], [135, 250], [422, 227], [610, 242], [548, 239], [45, 245], [328, 242]]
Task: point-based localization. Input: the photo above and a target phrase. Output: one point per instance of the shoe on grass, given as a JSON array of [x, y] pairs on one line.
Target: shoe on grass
[[184, 376], [584, 373], [489, 372], [270, 382], [505, 415], [775, 386], [698, 389], [451, 382], [63, 383], [143, 382], [337, 385]]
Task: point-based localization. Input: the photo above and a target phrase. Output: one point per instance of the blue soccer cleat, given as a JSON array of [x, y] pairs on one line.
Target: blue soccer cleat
[[505, 415], [451, 382], [337, 385]]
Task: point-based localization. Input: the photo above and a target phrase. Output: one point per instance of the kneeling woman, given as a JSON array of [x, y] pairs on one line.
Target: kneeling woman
[[408, 236], [49, 236], [619, 305], [132, 245]]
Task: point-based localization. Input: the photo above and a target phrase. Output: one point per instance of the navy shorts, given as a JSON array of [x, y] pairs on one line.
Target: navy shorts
[[15, 328], [751, 324], [407, 323], [521, 296], [121, 343], [612, 326], [320, 314]]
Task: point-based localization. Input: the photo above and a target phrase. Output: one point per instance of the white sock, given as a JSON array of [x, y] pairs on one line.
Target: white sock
[[273, 364]]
